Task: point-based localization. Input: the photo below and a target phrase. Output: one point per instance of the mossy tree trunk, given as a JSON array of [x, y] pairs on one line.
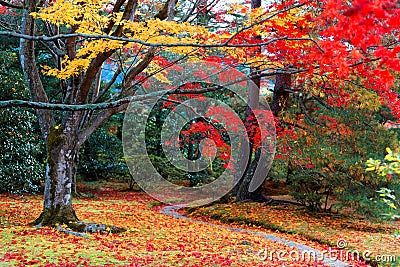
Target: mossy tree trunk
[[62, 160]]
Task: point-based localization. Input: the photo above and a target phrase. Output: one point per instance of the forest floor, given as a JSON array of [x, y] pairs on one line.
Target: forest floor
[[230, 234]]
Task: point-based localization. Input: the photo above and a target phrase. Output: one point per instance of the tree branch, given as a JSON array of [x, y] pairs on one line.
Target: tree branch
[[96, 63], [98, 120], [7, 4], [163, 13], [67, 107], [137, 69], [29, 67], [122, 101], [144, 43], [109, 84]]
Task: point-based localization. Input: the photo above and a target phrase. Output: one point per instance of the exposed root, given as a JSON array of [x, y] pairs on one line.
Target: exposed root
[[59, 217], [81, 228], [95, 228], [277, 201], [62, 229], [270, 201], [56, 216], [260, 198]]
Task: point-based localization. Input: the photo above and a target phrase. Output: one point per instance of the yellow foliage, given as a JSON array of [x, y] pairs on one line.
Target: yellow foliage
[[368, 99], [89, 18]]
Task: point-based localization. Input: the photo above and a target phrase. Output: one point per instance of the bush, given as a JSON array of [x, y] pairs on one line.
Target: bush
[[101, 156], [325, 159], [389, 169], [21, 164]]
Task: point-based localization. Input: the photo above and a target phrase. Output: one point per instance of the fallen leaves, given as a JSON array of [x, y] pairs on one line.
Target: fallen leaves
[[360, 235], [152, 239]]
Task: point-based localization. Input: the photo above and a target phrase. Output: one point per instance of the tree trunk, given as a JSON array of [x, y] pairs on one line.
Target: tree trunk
[[243, 193], [242, 188], [62, 159], [281, 95]]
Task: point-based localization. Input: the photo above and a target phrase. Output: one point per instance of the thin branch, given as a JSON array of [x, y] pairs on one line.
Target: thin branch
[[123, 101], [159, 71], [130, 40], [187, 16], [52, 48], [7, 4], [322, 102], [305, 112], [109, 84], [98, 120], [130, 76], [293, 124]]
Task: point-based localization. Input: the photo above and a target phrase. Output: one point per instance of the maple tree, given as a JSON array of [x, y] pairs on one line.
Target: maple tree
[[243, 192], [314, 48]]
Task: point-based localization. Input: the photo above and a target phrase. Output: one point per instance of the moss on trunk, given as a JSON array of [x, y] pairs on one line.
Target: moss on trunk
[[62, 159], [56, 216], [66, 216]]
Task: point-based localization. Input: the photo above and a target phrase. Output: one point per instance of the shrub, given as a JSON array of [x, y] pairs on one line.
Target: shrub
[[21, 164], [325, 159], [101, 155], [388, 169]]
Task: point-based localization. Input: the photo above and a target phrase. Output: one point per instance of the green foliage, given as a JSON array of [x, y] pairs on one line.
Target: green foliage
[[101, 155], [388, 197], [167, 170], [21, 158], [324, 159], [388, 168]]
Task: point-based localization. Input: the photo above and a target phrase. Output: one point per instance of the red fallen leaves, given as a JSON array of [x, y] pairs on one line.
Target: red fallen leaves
[[153, 239]]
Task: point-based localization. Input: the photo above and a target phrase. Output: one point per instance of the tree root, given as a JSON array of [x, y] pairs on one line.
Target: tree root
[[261, 199], [58, 218], [81, 228], [277, 201], [62, 229], [95, 228], [270, 201]]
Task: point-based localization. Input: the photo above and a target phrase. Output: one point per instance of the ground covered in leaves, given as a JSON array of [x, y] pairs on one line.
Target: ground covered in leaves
[[381, 239], [155, 239]]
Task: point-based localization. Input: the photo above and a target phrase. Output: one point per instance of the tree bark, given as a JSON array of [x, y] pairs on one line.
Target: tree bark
[[281, 95], [29, 67], [62, 158], [242, 189], [64, 140]]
